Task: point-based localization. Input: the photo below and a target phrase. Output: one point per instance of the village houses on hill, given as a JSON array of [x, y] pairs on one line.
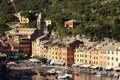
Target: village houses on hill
[[69, 51]]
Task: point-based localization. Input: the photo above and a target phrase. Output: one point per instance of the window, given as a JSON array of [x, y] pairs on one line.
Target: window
[[108, 63], [75, 55], [112, 52], [96, 62], [112, 58], [96, 57], [112, 64], [108, 58], [82, 60], [90, 56], [117, 53], [116, 59], [53, 57]]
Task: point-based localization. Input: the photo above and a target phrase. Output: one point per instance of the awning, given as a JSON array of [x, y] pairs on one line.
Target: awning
[[11, 62], [108, 67], [48, 60], [56, 62], [85, 65], [93, 67], [116, 68], [75, 65], [34, 60]]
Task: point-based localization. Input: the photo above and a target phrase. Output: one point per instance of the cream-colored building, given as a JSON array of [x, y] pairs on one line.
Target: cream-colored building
[[112, 55], [101, 54], [79, 56], [39, 47], [27, 32], [48, 22], [21, 18]]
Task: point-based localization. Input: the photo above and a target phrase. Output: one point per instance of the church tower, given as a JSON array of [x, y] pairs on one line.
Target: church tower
[[40, 24]]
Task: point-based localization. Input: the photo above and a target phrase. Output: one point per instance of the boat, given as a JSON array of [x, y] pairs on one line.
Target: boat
[[93, 72], [59, 72], [24, 78], [51, 72], [98, 74], [42, 74], [65, 76], [75, 73]]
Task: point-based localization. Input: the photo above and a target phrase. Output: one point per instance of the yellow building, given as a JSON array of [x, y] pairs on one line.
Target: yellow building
[[79, 56], [55, 53], [102, 59], [61, 53]]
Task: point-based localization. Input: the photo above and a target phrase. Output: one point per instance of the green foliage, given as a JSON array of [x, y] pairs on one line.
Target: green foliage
[[116, 32], [57, 18], [63, 32], [26, 14], [7, 18], [3, 28], [32, 24], [98, 18]]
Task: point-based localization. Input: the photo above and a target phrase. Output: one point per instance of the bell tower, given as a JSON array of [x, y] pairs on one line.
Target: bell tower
[[40, 23]]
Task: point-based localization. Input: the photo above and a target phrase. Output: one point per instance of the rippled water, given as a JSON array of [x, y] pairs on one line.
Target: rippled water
[[82, 76]]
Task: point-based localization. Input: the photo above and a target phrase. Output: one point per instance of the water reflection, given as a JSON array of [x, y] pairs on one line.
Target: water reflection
[[82, 76]]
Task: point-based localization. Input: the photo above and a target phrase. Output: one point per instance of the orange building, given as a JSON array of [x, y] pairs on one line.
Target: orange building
[[63, 52], [70, 24]]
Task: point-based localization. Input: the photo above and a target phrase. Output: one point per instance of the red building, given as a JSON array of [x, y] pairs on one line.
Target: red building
[[25, 46], [70, 24]]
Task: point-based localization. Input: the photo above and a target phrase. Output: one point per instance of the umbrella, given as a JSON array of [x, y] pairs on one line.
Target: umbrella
[[11, 62]]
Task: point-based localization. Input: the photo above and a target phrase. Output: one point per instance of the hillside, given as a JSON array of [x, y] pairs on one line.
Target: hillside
[[98, 18]]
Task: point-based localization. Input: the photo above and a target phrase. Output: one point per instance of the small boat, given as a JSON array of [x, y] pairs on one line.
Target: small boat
[[98, 74], [75, 73], [59, 72], [51, 72], [93, 72], [42, 74], [25, 78], [65, 76]]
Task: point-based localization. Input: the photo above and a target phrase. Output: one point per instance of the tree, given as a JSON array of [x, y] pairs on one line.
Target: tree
[[8, 18], [3, 28], [78, 30], [62, 32], [116, 32], [26, 14], [57, 18]]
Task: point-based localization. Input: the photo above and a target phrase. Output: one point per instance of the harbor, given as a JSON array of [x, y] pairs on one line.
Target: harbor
[[25, 69]]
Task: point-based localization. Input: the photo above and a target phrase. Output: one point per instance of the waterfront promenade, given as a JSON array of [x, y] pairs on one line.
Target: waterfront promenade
[[40, 67]]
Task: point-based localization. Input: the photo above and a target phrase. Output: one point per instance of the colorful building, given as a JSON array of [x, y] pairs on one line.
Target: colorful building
[[104, 55], [63, 51], [70, 24], [79, 56]]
